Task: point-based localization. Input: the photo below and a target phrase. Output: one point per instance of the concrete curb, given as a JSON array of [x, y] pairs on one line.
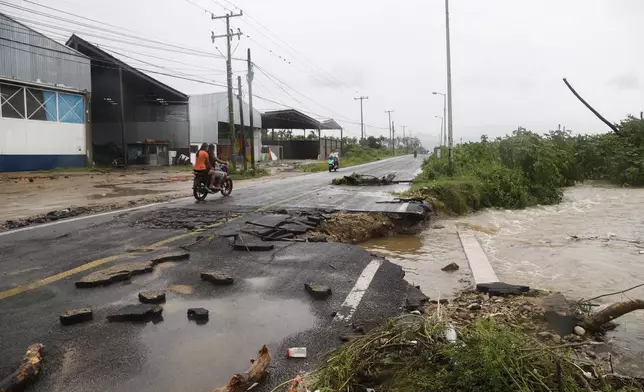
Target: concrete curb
[[479, 264]]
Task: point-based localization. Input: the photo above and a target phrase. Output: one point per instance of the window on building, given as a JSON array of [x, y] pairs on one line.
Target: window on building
[[12, 101], [41, 105], [71, 108]]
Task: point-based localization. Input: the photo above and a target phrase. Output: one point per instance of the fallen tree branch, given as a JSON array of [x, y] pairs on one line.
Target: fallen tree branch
[[595, 112], [256, 373], [615, 293], [27, 371], [595, 322]]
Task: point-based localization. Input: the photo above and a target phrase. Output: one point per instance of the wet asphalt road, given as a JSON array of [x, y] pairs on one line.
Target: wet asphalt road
[[266, 305]]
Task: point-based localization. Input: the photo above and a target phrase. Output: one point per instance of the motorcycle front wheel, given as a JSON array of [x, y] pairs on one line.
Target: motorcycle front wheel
[[227, 187]]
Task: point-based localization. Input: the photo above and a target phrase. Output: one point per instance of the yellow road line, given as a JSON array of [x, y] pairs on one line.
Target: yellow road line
[[57, 277], [95, 263]]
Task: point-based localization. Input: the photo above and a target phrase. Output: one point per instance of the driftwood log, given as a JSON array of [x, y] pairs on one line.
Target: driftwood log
[[594, 322], [256, 373], [27, 371]]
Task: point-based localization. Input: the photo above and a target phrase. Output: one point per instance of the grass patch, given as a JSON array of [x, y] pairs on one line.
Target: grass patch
[[248, 174], [411, 353]]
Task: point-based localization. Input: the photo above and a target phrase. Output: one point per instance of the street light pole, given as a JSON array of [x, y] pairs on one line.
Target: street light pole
[[443, 133], [449, 85], [390, 134], [440, 141]]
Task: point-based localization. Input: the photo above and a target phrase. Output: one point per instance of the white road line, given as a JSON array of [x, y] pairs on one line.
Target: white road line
[[80, 218], [403, 207], [352, 301]]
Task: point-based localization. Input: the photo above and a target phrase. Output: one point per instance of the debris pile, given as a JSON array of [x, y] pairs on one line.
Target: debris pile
[[475, 342], [26, 372], [366, 179]]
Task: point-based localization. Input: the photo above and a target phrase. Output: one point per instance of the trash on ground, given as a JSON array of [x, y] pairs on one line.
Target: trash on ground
[[296, 352]]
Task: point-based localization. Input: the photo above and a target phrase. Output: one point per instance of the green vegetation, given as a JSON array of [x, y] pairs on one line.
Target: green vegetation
[[411, 353], [525, 169], [240, 174]]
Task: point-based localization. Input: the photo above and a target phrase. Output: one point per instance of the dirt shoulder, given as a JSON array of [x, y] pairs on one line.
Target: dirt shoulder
[[38, 197]]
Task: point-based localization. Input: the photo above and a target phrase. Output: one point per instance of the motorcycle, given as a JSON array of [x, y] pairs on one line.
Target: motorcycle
[[200, 184], [333, 165]]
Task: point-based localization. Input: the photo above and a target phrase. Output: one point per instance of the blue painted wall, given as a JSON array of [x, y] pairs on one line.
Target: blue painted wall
[[12, 163]]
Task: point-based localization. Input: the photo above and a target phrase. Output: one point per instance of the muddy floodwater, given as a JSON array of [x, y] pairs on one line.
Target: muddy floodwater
[[590, 244]]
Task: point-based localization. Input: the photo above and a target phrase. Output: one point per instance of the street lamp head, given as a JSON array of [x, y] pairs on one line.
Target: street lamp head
[[434, 93]]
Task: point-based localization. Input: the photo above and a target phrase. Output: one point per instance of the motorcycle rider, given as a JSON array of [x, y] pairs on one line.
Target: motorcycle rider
[[204, 166], [218, 174]]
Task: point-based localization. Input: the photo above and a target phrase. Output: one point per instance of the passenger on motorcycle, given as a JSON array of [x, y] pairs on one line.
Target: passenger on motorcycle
[[204, 166], [214, 161]]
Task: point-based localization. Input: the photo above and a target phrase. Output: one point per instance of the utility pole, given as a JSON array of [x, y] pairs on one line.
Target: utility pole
[[249, 79], [450, 138], [229, 73], [390, 135], [241, 122], [361, 116], [122, 105], [393, 134], [404, 137]]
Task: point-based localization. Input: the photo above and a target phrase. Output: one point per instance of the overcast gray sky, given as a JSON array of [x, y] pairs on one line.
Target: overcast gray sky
[[508, 57]]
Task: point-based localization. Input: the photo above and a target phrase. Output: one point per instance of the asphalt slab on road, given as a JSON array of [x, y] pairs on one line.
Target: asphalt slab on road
[[267, 304]]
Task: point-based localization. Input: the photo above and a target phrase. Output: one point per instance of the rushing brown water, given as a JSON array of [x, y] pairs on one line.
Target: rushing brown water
[[537, 247], [583, 247]]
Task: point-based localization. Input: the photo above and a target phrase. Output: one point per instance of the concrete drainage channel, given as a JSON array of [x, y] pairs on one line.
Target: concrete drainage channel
[[266, 282]]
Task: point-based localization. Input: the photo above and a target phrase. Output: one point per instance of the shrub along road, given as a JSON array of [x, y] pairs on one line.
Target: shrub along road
[[267, 304]]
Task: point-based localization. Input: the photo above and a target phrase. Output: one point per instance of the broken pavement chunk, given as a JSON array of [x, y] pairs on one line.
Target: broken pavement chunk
[[251, 246], [115, 273], [171, 256], [140, 312], [450, 267], [501, 289], [217, 278], [198, 314], [152, 297], [76, 316], [317, 291]]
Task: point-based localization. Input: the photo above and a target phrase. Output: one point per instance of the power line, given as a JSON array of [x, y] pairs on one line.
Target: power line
[[96, 59], [137, 36]]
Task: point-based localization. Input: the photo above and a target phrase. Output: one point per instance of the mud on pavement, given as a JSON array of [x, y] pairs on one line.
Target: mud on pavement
[[295, 293]]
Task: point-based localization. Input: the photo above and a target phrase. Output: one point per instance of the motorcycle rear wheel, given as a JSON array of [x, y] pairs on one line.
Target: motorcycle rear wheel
[[200, 192]]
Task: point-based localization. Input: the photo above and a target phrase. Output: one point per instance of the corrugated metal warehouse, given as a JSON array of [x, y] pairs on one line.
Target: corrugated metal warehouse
[[44, 93], [153, 116], [209, 124]]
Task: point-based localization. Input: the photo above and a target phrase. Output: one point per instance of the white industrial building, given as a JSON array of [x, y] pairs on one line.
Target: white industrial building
[[44, 95], [209, 124]]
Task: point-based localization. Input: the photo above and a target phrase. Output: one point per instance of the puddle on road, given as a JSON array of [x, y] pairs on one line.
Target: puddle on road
[[422, 257], [116, 191], [184, 356]]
